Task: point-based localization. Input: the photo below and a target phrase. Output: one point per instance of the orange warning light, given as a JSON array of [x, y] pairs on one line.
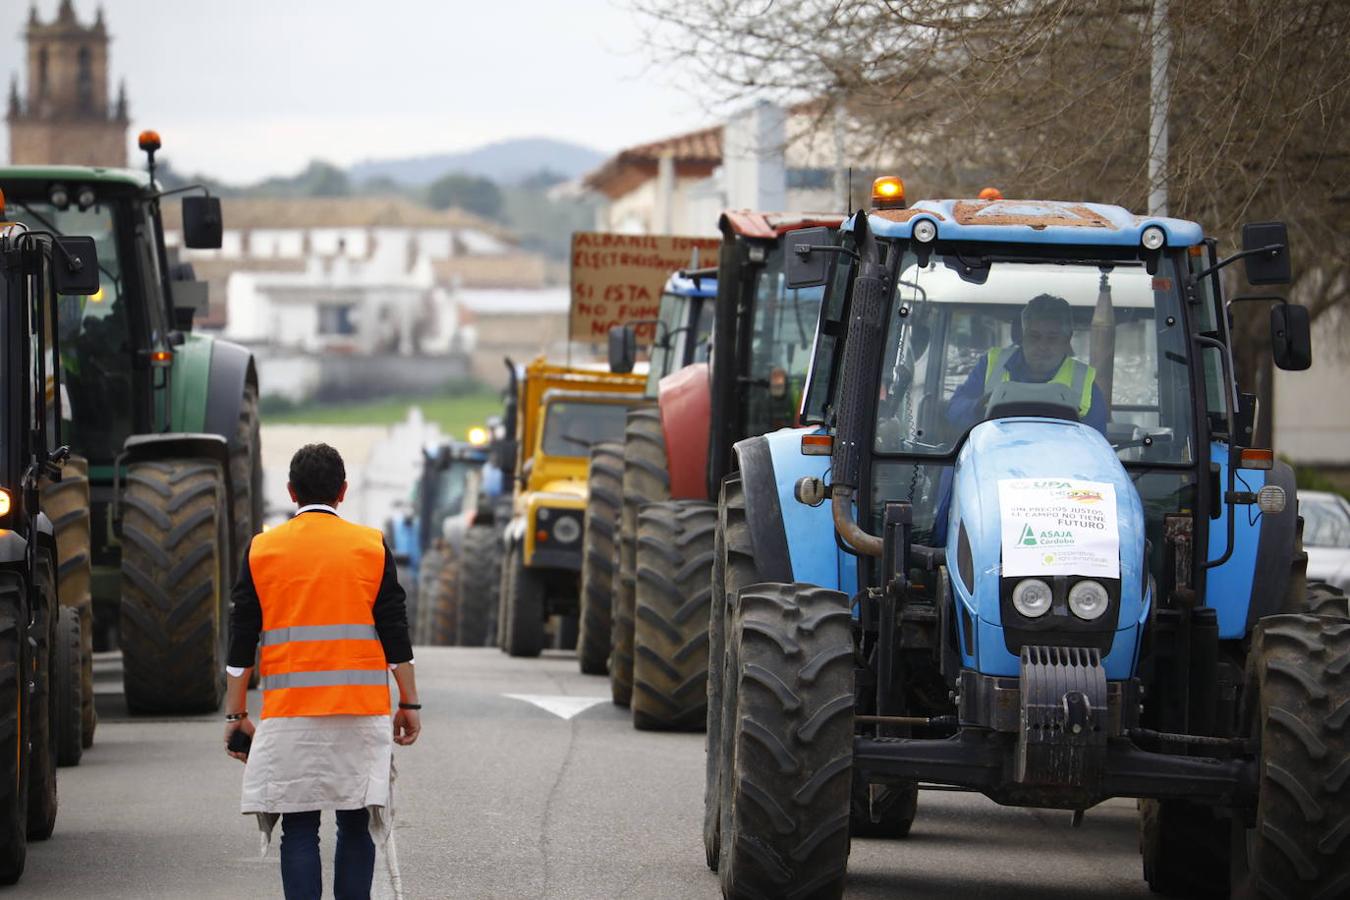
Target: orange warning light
[[888, 192], [161, 357], [991, 193], [4, 503], [148, 141]]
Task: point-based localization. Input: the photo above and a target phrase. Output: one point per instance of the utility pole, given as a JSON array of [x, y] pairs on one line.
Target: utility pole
[[1160, 100]]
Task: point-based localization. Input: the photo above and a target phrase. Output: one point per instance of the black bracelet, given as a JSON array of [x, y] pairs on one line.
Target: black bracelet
[[235, 717], [410, 706]]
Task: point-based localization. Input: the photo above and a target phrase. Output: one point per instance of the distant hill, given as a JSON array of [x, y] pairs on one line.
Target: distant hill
[[505, 162]]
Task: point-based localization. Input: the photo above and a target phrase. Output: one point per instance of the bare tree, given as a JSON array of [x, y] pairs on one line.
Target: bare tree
[[1050, 98]]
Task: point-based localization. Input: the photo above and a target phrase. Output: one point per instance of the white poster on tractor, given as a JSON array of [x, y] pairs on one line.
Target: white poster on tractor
[[1056, 526]]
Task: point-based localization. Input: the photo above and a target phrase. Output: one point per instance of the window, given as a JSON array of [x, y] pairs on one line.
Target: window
[[572, 427], [335, 319]]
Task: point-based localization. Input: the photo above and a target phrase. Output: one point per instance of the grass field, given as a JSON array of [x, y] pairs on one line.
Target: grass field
[[455, 414]]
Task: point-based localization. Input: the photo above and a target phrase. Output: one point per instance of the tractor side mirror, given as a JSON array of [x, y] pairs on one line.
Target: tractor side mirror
[[75, 266], [1290, 337], [804, 265], [622, 349], [203, 227], [1270, 266]]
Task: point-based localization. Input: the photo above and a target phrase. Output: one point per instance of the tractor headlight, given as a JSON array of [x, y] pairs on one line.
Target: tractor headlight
[[566, 529], [924, 231], [1088, 600], [1153, 238], [1032, 597]]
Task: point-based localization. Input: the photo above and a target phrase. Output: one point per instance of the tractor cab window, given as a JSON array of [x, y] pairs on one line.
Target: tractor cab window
[[572, 427], [95, 334], [970, 338], [781, 337], [684, 326], [830, 331], [449, 490]]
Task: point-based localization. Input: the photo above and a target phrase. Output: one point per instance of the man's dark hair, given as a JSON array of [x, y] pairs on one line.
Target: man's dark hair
[[317, 474]]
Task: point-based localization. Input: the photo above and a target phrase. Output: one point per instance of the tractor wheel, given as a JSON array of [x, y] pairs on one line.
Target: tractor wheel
[[69, 727], [1325, 600], [503, 598], [785, 826], [442, 608], [45, 704], [66, 503], [246, 476], [174, 587], [1297, 700], [670, 631], [1185, 848], [427, 569], [479, 581], [733, 569], [882, 810], [645, 480], [599, 556], [524, 608], [15, 666]]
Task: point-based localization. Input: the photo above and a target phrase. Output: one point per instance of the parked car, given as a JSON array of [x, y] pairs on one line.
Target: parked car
[[1326, 536]]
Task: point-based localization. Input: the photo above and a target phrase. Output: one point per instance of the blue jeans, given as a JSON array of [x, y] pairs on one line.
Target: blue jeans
[[354, 865]]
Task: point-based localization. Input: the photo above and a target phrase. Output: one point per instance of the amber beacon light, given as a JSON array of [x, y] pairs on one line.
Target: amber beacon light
[[888, 192], [149, 141]]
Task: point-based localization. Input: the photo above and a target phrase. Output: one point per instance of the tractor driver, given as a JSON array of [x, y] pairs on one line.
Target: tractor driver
[[1045, 356]]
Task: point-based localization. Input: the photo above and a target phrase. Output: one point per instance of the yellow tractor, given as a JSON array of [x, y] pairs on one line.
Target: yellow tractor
[[563, 411]]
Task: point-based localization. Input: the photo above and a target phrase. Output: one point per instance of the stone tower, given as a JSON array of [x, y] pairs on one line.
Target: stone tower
[[65, 116]]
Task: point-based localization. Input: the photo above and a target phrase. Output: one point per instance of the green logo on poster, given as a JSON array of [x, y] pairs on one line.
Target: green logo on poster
[[1028, 538]]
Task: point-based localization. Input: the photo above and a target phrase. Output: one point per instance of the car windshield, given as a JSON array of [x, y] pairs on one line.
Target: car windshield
[[572, 427], [970, 338], [1326, 522]]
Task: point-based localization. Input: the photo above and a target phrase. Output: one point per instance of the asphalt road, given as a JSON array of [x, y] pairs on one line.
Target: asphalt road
[[503, 798]]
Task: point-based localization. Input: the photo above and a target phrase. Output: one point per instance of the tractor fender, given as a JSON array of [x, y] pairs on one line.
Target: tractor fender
[[46, 533], [183, 445], [791, 541], [232, 370], [685, 402], [1274, 547]]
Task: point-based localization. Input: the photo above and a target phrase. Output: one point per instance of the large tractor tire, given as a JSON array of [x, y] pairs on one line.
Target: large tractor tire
[[15, 671], [246, 476], [43, 710], [66, 503], [479, 582], [788, 720], [1325, 600], [68, 727], [645, 480], [733, 569], [675, 543], [175, 589], [428, 571], [441, 607], [1297, 703], [524, 608], [599, 557]]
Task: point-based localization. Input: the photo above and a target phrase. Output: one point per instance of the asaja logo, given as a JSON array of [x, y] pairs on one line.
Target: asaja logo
[[1028, 538]]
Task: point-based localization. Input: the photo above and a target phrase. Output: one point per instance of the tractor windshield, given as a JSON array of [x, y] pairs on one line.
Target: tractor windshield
[[572, 427], [781, 336], [685, 324], [96, 337], [1103, 343], [449, 490]]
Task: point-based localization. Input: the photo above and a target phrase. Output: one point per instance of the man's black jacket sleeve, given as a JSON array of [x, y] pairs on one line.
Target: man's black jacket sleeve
[[390, 611]]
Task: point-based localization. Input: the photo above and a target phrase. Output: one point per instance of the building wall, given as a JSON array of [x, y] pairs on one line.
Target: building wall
[[67, 143], [519, 336]]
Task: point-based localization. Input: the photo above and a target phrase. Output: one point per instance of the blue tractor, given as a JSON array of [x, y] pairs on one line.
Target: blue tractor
[[1026, 549]]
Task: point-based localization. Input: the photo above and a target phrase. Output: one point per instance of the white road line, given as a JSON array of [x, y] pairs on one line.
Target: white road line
[[562, 707]]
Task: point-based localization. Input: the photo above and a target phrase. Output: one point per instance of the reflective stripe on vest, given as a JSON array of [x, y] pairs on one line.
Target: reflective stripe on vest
[[1074, 375], [317, 578]]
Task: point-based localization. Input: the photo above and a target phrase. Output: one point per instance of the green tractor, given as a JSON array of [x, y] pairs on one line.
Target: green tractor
[[39, 637], [168, 422]]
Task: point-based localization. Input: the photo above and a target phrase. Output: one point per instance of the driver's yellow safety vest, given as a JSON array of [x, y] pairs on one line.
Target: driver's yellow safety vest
[[1074, 375]]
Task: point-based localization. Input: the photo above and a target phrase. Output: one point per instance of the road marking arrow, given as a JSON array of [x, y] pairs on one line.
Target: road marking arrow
[[562, 707]]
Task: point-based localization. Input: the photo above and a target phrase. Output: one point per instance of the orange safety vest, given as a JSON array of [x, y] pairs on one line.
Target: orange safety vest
[[317, 577]]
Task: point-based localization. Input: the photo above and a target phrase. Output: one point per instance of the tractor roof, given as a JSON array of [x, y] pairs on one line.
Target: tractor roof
[[769, 225], [1030, 222], [692, 283], [130, 177]]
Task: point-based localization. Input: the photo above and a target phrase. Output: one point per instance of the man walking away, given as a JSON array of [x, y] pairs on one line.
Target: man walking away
[[323, 596]]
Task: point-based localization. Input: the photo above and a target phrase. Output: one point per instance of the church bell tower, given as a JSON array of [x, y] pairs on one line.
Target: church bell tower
[[64, 116]]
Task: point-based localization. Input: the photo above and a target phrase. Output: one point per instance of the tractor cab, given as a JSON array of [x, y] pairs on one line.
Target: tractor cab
[[683, 328]]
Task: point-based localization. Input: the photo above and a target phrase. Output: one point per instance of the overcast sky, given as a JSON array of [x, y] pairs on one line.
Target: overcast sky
[[239, 89]]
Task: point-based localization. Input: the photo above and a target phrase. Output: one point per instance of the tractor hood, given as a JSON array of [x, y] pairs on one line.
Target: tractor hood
[[1047, 499]]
